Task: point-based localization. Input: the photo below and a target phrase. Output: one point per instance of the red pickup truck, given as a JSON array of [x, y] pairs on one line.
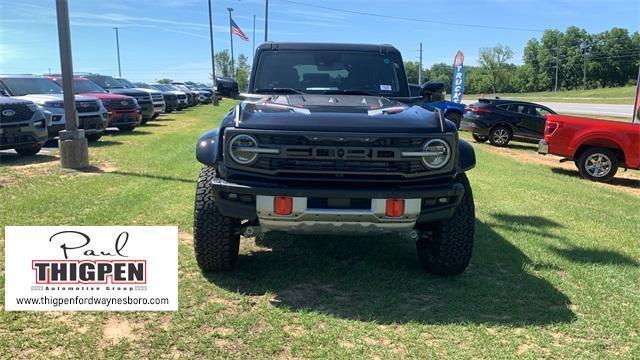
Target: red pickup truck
[[598, 147]]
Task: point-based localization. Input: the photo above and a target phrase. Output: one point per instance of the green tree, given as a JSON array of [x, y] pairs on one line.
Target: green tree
[[223, 63], [165, 81], [242, 69], [494, 62]]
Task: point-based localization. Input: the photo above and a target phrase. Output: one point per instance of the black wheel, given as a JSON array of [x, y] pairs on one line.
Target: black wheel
[[93, 137], [479, 138], [454, 117], [144, 120], [155, 115], [598, 164], [29, 150], [500, 136], [447, 248], [216, 237], [126, 128]]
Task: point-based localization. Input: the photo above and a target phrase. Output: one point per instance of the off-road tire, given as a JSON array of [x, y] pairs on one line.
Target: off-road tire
[[446, 250], [28, 150], [479, 138], [455, 118], [216, 237], [144, 121], [610, 154], [155, 116], [495, 136], [93, 137]]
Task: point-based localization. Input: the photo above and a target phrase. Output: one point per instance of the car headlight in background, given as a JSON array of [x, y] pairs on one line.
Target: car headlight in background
[[33, 107], [437, 153]]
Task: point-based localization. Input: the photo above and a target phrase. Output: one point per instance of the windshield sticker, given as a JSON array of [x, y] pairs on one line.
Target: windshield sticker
[[385, 87], [386, 61]]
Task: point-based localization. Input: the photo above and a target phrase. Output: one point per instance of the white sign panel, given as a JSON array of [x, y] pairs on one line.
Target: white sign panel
[[92, 268]]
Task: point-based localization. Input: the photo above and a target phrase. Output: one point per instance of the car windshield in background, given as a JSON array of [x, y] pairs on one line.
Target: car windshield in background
[[86, 86], [331, 72], [143, 85], [26, 86], [162, 87], [107, 82], [126, 83]]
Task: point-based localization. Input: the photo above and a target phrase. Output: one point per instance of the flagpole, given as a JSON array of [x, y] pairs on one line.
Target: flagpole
[[233, 75], [254, 35], [213, 61], [266, 19]]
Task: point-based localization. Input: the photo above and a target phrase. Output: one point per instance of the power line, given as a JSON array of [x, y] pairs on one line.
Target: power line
[[411, 19]]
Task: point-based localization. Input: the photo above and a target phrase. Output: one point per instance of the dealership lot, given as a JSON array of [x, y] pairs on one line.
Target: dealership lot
[[553, 253]]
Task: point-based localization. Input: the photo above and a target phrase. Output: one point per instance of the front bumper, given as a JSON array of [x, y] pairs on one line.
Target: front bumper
[[158, 107], [146, 109], [124, 118], [423, 204], [543, 147], [23, 134], [91, 123]]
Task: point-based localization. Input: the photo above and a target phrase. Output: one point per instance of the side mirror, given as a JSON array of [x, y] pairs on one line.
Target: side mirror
[[4, 92]]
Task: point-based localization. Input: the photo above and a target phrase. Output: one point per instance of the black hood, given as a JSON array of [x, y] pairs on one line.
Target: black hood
[[355, 113], [129, 92]]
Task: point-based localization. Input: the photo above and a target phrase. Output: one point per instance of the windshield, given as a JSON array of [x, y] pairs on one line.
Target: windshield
[[143, 85], [106, 82], [87, 86], [331, 72], [126, 83], [26, 86]]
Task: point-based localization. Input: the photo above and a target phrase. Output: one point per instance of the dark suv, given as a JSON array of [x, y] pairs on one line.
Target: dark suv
[[500, 121], [331, 143]]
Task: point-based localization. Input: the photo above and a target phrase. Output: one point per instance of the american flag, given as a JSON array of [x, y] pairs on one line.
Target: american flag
[[236, 30]]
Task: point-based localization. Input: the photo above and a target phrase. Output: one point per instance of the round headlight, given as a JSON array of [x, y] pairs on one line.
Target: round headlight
[[238, 146], [439, 153]]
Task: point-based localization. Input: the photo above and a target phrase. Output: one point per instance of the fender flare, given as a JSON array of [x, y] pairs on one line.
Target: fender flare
[[208, 147], [466, 156]]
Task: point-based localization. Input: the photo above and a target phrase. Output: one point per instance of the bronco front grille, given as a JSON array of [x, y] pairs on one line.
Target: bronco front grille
[[337, 155], [10, 113]]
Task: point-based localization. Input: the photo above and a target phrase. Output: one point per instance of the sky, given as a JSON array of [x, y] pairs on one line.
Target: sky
[[170, 38]]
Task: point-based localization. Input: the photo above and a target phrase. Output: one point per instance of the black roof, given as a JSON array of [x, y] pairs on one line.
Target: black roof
[[326, 46]]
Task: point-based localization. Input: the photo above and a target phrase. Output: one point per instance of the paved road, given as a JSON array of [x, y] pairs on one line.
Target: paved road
[[590, 109]]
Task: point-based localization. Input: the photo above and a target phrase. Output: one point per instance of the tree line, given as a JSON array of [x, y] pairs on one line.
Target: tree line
[[584, 61]]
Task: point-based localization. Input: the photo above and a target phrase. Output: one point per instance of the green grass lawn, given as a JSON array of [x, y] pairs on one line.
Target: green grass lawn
[[619, 95], [555, 271]]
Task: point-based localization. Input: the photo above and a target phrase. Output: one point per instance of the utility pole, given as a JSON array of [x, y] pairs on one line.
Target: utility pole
[[266, 19], [74, 150], [213, 59], [420, 68], [584, 70], [233, 75], [118, 51], [555, 88]]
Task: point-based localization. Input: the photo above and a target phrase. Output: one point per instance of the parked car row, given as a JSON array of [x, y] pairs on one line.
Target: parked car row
[[32, 106]]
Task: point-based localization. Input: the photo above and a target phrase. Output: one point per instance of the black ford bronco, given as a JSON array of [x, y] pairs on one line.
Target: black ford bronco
[[328, 141]]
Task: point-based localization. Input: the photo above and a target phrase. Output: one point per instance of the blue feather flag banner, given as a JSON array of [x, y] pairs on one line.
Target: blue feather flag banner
[[457, 87]]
